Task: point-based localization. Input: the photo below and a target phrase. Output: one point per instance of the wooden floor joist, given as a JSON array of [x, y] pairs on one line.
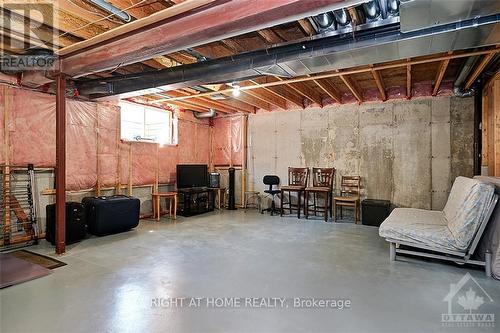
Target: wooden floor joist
[[275, 83]]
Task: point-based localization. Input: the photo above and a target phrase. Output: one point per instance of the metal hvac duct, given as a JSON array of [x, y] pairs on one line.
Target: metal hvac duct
[[372, 43], [325, 20], [204, 115], [458, 89], [342, 17], [372, 10]]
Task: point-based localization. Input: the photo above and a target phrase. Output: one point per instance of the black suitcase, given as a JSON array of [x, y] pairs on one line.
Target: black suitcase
[[76, 228], [111, 215]]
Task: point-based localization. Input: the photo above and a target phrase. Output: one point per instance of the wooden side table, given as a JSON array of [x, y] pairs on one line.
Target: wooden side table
[[221, 192], [171, 197]]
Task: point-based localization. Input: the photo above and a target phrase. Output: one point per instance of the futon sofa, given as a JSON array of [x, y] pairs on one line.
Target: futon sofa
[[451, 234]]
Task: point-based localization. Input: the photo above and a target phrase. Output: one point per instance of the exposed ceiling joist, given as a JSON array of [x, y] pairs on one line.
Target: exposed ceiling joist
[[268, 97], [274, 83], [328, 87], [408, 81], [304, 90], [380, 84], [353, 87], [439, 76], [478, 70], [231, 105], [250, 100], [307, 27], [270, 36], [132, 42], [282, 93]]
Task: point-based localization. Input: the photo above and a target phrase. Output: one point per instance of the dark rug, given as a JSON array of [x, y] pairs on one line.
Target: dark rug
[[14, 270], [37, 259]]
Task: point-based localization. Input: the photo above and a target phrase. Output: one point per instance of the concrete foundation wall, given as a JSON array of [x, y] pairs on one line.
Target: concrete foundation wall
[[408, 152]]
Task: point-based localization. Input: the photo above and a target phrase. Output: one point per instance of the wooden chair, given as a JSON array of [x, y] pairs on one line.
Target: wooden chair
[[171, 198], [297, 182], [349, 196], [323, 185]]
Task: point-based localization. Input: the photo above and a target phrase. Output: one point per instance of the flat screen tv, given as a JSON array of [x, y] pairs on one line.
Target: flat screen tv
[[192, 175]]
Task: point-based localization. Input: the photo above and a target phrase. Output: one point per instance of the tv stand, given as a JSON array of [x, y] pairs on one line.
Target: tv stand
[[195, 200]]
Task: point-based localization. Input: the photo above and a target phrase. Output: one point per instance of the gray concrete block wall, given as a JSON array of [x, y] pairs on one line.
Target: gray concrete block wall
[[408, 152]]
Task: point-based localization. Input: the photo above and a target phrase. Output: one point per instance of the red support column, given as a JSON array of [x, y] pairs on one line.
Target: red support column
[[61, 164]]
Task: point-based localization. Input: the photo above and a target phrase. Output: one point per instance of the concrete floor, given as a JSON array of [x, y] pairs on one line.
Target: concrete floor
[[110, 282]]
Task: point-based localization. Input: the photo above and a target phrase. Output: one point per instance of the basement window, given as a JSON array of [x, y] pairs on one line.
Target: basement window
[[147, 124]]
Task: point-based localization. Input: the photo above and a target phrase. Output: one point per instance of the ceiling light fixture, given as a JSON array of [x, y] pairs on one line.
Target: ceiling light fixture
[[236, 90]]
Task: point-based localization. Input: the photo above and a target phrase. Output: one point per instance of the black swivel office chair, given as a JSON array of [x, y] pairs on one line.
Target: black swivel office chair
[[272, 180]]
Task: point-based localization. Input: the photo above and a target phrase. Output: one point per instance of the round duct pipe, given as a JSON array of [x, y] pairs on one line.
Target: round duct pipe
[[458, 90], [342, 17], [324, 20], [372, 10], [393, 7], [204, 115]]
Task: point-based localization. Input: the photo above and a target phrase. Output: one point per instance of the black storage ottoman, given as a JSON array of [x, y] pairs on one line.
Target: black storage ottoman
[[374, 212]]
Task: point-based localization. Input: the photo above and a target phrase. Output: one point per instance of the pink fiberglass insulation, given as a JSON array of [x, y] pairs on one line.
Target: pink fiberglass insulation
[[108, 143], [124, 162], [81, 145], [237, 140], [222, 143], [32, 128], [2, 136], [422, 89], [202, 144], [228, 141], [167, 164], [144, 162], [187, 142]]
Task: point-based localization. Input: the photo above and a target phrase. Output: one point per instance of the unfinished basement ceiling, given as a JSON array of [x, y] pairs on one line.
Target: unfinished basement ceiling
[[352, 36]]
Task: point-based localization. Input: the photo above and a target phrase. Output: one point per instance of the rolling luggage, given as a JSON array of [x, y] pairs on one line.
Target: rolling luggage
[[76, 228], [111, 215]]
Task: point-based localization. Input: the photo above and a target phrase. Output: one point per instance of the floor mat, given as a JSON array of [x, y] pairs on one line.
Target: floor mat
[[38, 259], [14, 270]]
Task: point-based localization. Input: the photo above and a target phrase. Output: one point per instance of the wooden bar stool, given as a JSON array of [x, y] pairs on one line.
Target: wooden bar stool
[[297, 182], [170, 197], [349, 196], [322, 185], [221, 195]]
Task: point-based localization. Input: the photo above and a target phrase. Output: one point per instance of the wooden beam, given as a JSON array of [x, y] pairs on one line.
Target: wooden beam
[[232, 104], [478, 70], [250, 100], [408, 81], [328, 87], [276, 83], [439, 76], [228, 106], [86, 12], [307, 27], [279, 91], [233, 45], [304, 90], [268, 97], [171, 30], [60, 226], [353, 87], [380, 84], [270, 36], [202, 101]]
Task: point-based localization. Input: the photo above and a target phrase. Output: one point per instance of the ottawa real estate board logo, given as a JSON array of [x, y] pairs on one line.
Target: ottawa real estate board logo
[[467, 305], [29, 35]]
